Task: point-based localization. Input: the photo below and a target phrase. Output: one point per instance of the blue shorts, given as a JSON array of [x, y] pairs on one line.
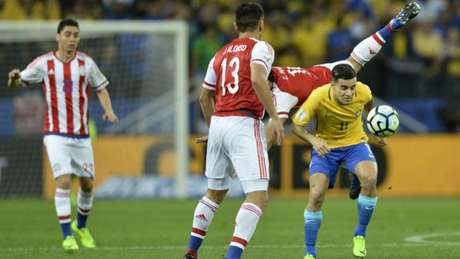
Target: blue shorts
[[350, 156]]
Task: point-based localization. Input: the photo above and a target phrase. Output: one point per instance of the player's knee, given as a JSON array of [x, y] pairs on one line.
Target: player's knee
[[316, 198], [216, 196], [86, 184], [369, 183], [63, 182], [259, 198]]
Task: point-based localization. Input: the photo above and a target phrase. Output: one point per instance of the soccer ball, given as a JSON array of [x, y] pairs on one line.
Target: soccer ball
[[383, 121]]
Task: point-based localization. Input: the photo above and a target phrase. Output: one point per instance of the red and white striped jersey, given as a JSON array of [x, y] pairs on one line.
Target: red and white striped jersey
[[300, 82], [229, 74], [65, 87]]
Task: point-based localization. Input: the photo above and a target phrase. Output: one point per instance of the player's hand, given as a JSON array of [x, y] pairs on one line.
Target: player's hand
[[320, 146], [278, 130], [110, 116], [381, 141], [13, 76], [202, 140]]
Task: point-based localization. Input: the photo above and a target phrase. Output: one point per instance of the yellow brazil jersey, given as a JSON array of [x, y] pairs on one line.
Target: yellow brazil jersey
[[340, 125]]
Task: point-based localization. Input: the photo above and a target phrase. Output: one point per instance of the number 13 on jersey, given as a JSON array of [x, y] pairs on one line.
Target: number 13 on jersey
[[230, 82]]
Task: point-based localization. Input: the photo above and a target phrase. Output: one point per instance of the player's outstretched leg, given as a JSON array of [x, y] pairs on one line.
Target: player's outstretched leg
[[202, 218], [369, 47], [355, 187]]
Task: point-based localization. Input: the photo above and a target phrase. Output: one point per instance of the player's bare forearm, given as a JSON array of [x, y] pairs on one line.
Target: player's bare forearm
[[302, 133], [270, 133], [319, 144], [207, 104], [104, 100]]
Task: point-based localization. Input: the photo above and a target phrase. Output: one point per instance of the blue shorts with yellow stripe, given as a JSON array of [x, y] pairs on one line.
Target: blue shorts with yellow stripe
[[349, 156]]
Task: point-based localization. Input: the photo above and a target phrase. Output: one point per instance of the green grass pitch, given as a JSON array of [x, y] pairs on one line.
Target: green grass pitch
[[159, 229]]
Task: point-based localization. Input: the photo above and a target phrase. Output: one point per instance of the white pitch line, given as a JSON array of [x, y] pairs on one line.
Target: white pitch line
[[181, 247], [420, 239]]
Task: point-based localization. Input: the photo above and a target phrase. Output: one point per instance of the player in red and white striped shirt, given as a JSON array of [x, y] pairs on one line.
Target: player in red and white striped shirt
[[67, 76], [234, 96]]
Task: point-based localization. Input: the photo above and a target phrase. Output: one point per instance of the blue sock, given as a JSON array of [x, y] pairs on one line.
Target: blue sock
[[66, 229], [385, 32], [234, 252], [81, 220], [366, 206], [312, 222], [194, 244], [393, 25]]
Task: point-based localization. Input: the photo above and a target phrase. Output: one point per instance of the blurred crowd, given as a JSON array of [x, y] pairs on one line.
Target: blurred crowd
[[421, 61]]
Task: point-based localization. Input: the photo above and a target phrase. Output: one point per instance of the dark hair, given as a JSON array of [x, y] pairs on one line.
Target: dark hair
[[66, 22], [247, 16], [343, 71]]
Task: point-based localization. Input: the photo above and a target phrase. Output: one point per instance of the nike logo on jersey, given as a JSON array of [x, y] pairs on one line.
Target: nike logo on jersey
[[51, 72]]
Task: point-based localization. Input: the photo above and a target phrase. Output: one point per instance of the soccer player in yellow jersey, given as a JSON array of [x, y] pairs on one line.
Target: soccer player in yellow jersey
[[339, 139]]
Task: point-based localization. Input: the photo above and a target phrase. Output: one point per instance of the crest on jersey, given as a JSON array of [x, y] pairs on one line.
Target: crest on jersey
[[51, 72], [301, 115]]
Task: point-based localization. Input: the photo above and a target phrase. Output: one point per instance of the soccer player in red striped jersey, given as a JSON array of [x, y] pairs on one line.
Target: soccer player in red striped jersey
[[67, 76], [233, 98]]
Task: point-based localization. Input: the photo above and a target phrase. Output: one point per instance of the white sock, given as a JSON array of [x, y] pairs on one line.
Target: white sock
[[202, 218], [62, 203], [367, 48], [246, 223], [84, 202]]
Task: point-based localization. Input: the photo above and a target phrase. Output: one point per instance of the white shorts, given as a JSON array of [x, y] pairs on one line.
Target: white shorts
[[236, 145], [70, 156], [284, 101]]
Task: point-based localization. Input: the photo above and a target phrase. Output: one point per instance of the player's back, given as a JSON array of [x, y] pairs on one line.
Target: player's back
[[300, 82], [235, 95]]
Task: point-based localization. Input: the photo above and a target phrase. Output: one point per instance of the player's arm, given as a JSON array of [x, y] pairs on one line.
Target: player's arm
[[104, 100], [207, 103], [32, 74], [270, 133], [262, 89], [319, 144], [301, 118]]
